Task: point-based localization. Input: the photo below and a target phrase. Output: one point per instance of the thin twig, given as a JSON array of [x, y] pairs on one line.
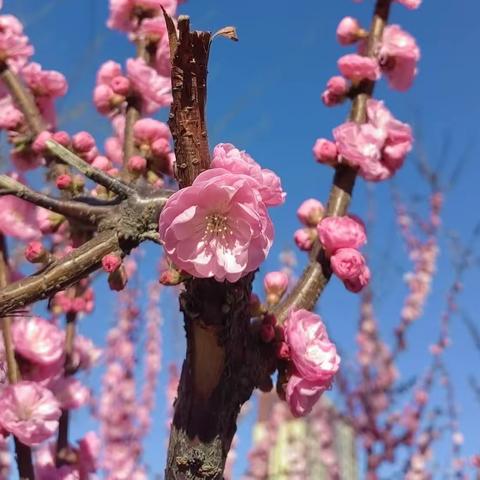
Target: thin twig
[[74, 209], [93, 173]]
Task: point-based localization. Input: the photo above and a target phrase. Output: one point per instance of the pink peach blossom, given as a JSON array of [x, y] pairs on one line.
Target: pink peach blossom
[[337, 89], [227, 156], [154, 88], [70, 392], [38, 340], [44, 83], [341, 232], [15, 48], [10, 116], [347, 263], [325, 151], [18, 218], [412, 4], [357, 284], [88, 452], [399, 55], [302, 395], [29, 411], [218, 227], [357, 67], [313, 354]]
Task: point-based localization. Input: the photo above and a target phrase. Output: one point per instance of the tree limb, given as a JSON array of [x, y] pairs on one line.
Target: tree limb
[[317, 273]]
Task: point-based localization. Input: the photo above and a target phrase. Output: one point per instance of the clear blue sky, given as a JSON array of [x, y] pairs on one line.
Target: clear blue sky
[[264, 96]]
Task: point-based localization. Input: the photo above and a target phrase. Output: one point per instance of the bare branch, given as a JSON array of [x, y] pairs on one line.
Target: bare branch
[[78, 210], [93, 173], [60, 274]]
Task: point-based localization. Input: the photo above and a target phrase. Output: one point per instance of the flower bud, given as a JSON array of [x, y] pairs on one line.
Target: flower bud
[[111, 262], [348, 31], [83, 142], [304, 238], [137, 164], [310, 212], [63, 182], [35, 253], [275, 284], [325, 151]]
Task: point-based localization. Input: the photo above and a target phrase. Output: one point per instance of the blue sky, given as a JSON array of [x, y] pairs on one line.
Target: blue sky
[[264, 96]]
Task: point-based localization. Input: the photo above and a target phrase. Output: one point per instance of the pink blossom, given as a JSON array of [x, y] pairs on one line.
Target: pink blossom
[[122, 12], [347, 263], [120, 85], [15, 48], [18, 218], [29, 411], [412, 4], [302, 395], [154, 88], [304, 238], [356, 284], [359, 144], [86, 354], [347, 31], [357, 67], [70, 392], [310, 212], [325, 151], [399, 55], [341, 232], [38, 340], [218, 227], [137, 164], [10, 116], [337, 89], [44, 83], [64, 182], [227, 156], [313, 354], [83, 142], [89, 451]]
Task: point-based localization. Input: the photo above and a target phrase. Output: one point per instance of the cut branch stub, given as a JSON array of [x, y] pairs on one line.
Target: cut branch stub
[[189, 90]]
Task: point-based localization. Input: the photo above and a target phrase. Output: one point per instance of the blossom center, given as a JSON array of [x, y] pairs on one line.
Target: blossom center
[[217, 225]]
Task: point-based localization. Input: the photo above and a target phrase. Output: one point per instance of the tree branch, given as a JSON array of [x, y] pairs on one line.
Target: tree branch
[[317, 273], [60, 274], [93, 173], [78, 210]]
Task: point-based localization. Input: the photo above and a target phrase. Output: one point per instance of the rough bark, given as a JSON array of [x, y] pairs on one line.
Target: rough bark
[[225, 360]]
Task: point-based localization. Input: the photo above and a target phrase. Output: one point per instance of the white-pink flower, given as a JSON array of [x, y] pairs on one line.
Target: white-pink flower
[[15, 48], [18, 218], [301, 395], [218, 227], [313, 354], [155, 89], [357, 67], [398, 56], [227, 156], [38, 340], [341, 232], [29, 411]]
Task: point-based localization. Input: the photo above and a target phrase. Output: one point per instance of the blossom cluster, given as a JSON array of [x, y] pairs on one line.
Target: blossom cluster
[[219, 226], [378, 147]]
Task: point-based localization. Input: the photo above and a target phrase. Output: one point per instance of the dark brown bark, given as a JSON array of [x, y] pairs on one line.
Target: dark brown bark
[[225, 360], [316, 275], [189, 53]]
